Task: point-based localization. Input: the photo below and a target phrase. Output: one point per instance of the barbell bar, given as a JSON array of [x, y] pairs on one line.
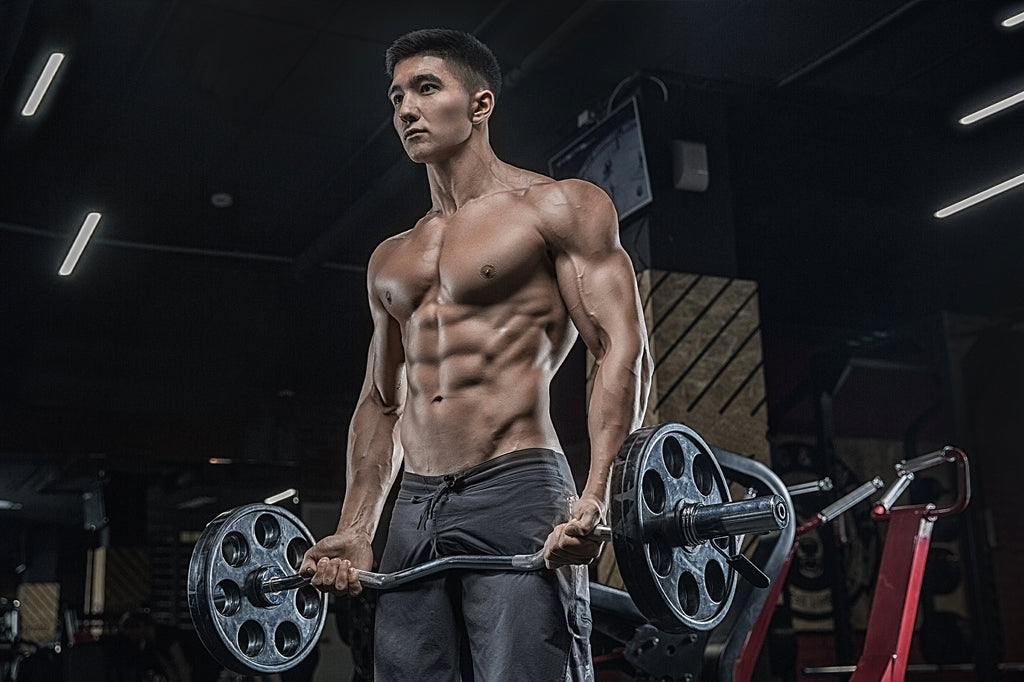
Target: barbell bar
[[693, 524]]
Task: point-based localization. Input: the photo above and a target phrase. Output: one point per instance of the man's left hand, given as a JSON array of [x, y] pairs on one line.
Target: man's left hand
[[568, 542]]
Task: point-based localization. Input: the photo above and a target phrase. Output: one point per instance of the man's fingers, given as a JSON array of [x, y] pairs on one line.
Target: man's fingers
[[569, 544], [336, 575], [326, 572], [354, 586]]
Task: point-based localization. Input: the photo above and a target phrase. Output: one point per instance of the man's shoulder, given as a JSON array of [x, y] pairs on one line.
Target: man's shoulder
[[387, 247], [571, 190], [572, 208]]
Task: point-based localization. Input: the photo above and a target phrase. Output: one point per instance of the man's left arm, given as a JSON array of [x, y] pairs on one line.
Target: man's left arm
[[598, 286]]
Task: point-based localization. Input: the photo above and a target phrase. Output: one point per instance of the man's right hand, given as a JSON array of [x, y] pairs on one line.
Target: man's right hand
[[331, 564]]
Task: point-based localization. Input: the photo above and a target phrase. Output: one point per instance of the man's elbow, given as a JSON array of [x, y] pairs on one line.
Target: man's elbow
[[374, 401], [646, 366], [636, 355]]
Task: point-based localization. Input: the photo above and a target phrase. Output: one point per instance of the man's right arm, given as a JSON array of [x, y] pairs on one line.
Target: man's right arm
[[373, 459]]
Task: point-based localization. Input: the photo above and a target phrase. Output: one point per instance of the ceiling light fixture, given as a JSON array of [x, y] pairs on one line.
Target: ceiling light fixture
[[980, 196], [43, 84], [71, 260], [1011, 21], [993, 108]]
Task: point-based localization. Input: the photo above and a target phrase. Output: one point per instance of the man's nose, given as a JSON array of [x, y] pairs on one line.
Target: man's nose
[[406, 112]]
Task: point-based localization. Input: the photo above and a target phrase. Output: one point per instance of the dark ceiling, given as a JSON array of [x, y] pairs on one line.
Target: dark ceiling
[[190, 331]]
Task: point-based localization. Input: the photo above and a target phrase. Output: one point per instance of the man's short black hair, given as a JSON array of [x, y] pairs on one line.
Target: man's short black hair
[[471, 61]]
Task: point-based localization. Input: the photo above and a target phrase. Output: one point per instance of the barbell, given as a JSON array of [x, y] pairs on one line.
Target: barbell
[[675, 532]]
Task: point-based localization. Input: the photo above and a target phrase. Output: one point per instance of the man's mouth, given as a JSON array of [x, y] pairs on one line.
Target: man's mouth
[[413, 131]]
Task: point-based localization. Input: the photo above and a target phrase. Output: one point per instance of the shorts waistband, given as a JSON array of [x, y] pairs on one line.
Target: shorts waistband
[[507, 460]]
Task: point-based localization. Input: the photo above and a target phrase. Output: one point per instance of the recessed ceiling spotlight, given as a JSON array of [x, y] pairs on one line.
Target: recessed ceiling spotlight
[[222, 200]]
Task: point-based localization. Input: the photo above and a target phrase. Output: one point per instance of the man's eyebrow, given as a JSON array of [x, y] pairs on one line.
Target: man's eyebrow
[[414, 81]]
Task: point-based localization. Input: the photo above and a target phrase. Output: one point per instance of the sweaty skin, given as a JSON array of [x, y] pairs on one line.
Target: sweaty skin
[[474, 310]]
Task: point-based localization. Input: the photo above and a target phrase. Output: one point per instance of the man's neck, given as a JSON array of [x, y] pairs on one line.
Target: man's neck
[[472, 172]]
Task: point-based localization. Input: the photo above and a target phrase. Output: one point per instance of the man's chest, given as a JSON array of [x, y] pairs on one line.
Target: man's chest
[[474, 260]]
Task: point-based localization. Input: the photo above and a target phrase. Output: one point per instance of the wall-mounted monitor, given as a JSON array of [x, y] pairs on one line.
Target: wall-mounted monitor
[[610, 155]]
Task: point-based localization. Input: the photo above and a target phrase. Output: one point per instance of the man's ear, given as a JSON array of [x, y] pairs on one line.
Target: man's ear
[[483, 105]]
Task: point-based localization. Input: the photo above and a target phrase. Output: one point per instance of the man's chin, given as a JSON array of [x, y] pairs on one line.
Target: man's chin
[[419, 155]]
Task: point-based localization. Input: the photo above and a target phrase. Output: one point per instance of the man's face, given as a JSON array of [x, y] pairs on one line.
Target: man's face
[[432, 110]]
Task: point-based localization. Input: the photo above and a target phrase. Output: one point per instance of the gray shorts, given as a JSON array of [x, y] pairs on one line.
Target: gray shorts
[[483, 625]]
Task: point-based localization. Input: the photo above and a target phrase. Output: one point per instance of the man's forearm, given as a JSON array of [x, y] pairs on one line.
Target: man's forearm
[[618, 401], [373, 460]]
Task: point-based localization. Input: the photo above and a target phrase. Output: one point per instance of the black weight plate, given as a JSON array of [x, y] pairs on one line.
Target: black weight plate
[[242, 632], [677, 588]]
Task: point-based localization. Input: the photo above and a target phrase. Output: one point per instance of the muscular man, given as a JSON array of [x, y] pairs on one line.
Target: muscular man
[[474, 310]]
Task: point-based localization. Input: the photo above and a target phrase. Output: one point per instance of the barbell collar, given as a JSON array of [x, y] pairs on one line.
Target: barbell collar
[[693, 524]]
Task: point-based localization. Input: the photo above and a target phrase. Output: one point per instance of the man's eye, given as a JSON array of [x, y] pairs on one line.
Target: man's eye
[[396, 100]]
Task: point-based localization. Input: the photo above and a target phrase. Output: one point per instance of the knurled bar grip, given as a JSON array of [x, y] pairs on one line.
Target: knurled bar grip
[[824, 485], [925, 462], [902, 482], [905, 474], [850, 499]]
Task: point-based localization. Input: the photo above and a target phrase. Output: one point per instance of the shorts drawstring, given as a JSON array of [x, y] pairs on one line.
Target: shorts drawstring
[[451, 483]]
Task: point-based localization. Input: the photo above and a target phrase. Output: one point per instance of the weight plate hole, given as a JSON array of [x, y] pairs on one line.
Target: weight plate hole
[[235, 549], [689, 594], [675, 459], [296, 550], [267, 530], [703, 473], [661, 556], [251, 638], [714, 580], [307, 601], [227, 597], [287, 638], [654, 491]]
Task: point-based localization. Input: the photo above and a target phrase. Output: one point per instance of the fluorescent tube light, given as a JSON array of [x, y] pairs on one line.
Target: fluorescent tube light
[[993, 109], [43, 84], [980, 196], [79, 244], [1010, 22], [283, 495]]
